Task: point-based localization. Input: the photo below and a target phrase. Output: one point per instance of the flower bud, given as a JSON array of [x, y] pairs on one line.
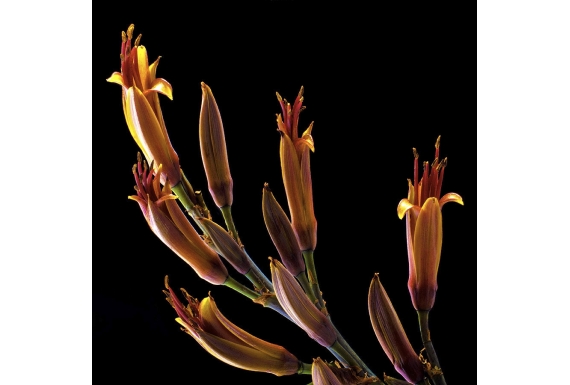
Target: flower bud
[[214, 153], [391, 334], [281, 233], [298, 306], [322, 374], [226, 246]]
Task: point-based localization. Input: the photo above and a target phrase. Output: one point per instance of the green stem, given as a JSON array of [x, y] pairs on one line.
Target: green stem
[[227, 214], [352, 353], [302, 278], [244, 290], [437, 374], [312, 273], [305, 368]]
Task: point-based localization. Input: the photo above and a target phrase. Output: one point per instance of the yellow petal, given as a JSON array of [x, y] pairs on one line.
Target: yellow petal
[[142, 67], [215, 319], [150, 133], [162, 86], [451, 197], [152, 69], [404, 206], [116, 78]]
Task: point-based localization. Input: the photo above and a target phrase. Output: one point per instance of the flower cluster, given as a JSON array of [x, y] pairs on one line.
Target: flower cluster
[[292, 289]]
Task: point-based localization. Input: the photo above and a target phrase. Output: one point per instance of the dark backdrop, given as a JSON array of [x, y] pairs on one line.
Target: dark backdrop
[[377, 83]]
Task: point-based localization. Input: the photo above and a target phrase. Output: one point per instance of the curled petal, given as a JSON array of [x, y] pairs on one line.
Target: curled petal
[[161, 86], [451, 197], [404, 206], [116, 78]]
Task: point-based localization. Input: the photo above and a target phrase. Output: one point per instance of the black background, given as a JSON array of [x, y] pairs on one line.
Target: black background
[[377, 83]]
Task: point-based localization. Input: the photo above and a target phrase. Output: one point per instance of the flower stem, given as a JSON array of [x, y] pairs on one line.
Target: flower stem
[[227, 214], [312, 274], [302, 278], [243, 290], [435, 372], [305, 368], [351, 352]]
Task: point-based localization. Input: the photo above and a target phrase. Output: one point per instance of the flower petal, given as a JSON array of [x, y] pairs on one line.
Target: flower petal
[[404, 206], [116, 78], [451, 197], [161, 86]]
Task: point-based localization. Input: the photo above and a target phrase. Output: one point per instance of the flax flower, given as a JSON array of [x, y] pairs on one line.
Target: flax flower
[[298, 306], [322, 374], [296, 171], [282, 234], [227, 342], [391, 334], [213, 148], [142, 107], [424, 234], [168, 222]]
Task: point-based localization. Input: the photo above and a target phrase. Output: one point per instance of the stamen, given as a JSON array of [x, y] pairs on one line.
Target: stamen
[[416, 171], [440, 181], [138, 40], [130, 31], [425, 182], [437, 142]]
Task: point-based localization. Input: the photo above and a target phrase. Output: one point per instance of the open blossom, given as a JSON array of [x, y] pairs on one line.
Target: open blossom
[[168, 222], [227, 342], [296, 171], [142, 107], [424, 234]]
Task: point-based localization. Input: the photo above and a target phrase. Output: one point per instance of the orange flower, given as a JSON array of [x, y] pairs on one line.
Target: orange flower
[[422, 209], [296, 172], [168, 222], [227, 342], [142, 107]]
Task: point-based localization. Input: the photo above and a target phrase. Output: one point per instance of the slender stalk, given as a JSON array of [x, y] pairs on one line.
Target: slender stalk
[[305, 368], [351, 352], [302, 278], [312, 273], [243, 290], [435, 371], [227, 214]]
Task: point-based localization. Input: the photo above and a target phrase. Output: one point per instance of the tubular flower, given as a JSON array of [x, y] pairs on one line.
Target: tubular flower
[[422, 209], [322, 374], [168, 222], [282, 233], [227, 342], [391, 334], [296, 171], [214, 153], [298, 306], [142, 107]]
